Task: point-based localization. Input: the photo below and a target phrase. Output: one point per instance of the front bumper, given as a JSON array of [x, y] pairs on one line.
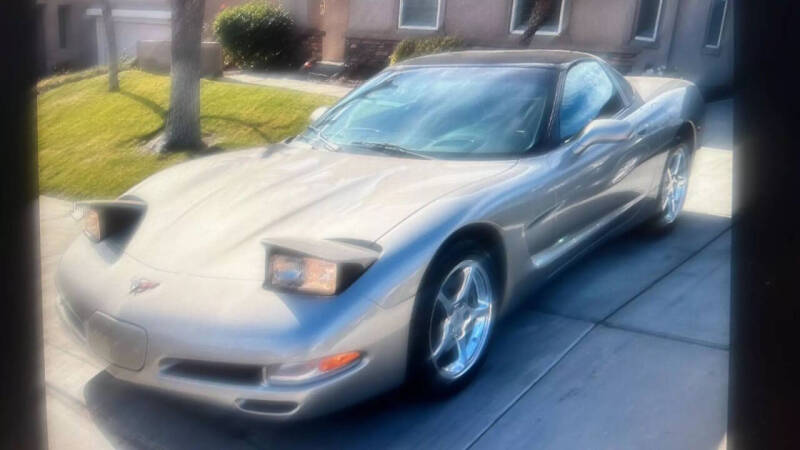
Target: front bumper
[[232, 383], [217, 340]]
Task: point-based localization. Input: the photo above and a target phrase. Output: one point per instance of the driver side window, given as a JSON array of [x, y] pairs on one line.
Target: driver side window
[[588, 94]]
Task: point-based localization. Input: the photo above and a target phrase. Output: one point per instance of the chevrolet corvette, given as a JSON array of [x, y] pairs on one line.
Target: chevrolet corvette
[[384, 243]]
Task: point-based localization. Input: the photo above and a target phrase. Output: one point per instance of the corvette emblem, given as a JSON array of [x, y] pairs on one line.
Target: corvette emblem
[[139, 285]]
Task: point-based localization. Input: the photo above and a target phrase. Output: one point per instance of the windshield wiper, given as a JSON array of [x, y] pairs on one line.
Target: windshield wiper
[[389, 148], [328, 144]]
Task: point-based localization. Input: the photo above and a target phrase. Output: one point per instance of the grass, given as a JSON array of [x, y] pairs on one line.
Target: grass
[[90, 140], [57, 80]]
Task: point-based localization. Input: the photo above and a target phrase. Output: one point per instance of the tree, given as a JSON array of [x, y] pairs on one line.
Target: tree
[[111, 41], [183, 118], [540, 11]]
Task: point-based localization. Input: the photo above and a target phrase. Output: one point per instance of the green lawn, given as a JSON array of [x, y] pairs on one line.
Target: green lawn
[[90, 140]]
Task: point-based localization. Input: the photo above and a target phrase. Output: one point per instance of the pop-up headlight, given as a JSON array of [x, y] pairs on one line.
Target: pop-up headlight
[[314, 267], [102, 219], [303, 274], [91, 225]]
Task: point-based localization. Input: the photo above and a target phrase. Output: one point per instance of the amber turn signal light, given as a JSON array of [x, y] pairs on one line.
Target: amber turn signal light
[[338, 361]]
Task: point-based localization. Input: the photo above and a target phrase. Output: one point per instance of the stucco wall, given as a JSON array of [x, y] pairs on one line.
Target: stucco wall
[[488, 22], [605, 27], [79, 51], [373, 18], [129, 32], [584, 25], [607, 23], [712, 70], [156, 56], [477, 19], [655, 54], [299, 9]]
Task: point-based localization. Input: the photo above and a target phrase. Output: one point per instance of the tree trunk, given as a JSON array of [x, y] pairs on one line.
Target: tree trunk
[[183, 121], [111, 41], [540, 12]]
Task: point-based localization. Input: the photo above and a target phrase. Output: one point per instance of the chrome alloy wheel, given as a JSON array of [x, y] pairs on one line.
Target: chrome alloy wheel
[[674, 185], [461, 319]]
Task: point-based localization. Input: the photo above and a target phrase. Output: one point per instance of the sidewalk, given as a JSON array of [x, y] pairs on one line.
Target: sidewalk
[[287, 80], [67, 365]]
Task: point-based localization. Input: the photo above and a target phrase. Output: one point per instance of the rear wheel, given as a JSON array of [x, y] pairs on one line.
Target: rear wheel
[[674, 185], [453, 319]]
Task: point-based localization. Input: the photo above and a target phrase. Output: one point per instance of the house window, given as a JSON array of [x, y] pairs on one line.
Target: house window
[[521, 13], [716, 23], [420, 14], [63, 25], [647, 22]]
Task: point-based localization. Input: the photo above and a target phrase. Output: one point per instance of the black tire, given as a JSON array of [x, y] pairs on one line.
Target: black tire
[[423, 376]]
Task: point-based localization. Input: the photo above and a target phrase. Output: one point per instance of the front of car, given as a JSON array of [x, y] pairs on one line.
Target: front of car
[[263, 279]]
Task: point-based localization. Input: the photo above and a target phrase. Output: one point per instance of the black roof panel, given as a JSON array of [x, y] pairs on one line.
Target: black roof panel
[[478, 57]]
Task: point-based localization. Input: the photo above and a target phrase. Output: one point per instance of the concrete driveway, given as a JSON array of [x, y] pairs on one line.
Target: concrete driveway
[[628, 349]]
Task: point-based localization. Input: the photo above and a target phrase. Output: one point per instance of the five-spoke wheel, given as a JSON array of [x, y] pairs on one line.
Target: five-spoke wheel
[[460, 322], [674, 185], [453, 317]]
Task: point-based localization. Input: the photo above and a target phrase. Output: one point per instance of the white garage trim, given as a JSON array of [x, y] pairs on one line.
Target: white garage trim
[[155, 15]]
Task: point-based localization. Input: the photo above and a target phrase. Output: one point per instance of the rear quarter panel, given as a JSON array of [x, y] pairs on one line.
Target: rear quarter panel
[[669, 106]]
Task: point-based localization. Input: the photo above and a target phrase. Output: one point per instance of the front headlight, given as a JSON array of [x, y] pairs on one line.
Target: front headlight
[[92, 226], [102, 219], [315, 267], [303, 274]]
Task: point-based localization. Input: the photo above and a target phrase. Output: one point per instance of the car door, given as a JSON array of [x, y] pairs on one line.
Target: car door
[[598, 187]]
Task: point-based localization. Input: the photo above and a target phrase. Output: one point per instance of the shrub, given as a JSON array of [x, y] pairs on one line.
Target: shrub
[[409, 48], [257, 36]]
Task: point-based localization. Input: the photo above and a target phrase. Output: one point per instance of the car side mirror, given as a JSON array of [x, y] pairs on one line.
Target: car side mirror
[[317, 113], [602, 130]]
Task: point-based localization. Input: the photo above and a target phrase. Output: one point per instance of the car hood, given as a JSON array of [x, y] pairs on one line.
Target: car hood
[[208, 216]]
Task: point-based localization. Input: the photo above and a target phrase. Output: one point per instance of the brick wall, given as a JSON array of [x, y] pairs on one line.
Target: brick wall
[[311, 43], [366, 57]]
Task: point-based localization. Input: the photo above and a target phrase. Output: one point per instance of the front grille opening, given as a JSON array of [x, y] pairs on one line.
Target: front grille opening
[[239, 374], [267, 406]]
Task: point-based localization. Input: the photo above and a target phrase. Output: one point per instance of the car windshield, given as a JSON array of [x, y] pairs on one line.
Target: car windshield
[[441, 112]]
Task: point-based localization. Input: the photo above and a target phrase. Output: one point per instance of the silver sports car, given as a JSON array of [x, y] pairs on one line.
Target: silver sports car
[[384, 243]]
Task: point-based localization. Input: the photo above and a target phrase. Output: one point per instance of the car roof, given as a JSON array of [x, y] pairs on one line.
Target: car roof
[[551, 58]]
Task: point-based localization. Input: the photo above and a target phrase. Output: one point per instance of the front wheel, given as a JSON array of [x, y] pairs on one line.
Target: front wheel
[[674, 185], [453, 319]]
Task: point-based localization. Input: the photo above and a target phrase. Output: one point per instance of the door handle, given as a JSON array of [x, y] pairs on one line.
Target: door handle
[[642, 131]]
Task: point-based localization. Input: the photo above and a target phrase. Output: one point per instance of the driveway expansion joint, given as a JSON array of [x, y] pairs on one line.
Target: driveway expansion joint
[[604, 321], [668, 336]]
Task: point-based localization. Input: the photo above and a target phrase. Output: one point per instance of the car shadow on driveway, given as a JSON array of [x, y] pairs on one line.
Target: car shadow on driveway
[[569, 330], [601, 283]]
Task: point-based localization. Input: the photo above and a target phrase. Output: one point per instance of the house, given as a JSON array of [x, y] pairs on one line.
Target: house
[[71, 33], [134, 21], [65, 38], [688, 38]]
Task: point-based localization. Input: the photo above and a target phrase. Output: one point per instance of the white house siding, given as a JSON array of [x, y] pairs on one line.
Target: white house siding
[[131, 26]]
